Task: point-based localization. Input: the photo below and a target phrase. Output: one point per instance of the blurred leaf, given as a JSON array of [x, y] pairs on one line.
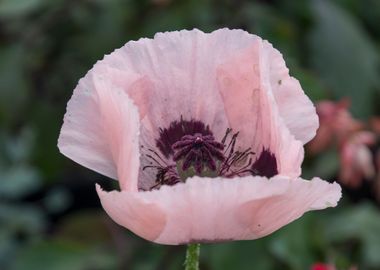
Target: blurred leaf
[[11, 8], [14, 86], [144, 255], [8, 246], [76, 227], [325, 165], [18, 181], [57, 200], [18, 149], [241, 255], [266, 22], [105, 28], [47, 158], [310, 84], [344, 56], [177, 15], [367, 11], [22, 219], [295, 238], [361, 223], [62, 256]]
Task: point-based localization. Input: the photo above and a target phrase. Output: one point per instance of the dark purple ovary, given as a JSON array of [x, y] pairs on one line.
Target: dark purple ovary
[[198, 150]]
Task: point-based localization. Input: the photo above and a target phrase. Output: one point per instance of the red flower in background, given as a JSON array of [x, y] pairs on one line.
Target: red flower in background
[[322, 266]]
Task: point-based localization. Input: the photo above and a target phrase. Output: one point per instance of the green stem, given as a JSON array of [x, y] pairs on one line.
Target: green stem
[[192, 257]]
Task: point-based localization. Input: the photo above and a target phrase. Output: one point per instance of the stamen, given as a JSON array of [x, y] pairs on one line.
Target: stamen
[[228, 131], [165, 174], [155, 160], [232, 164], [198, 151], [192, 146], [231, 145], [157, 155]]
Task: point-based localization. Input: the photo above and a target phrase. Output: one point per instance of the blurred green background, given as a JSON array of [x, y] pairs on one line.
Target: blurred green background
[[50, 216]]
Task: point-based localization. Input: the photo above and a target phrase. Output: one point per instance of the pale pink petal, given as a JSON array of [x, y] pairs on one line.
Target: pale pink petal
[[131, 210], [215, 209], [175, 76], [181, 66], [294, 106], [136, 86], [182, 74], [101, 130], [251, 109], [178, 74]]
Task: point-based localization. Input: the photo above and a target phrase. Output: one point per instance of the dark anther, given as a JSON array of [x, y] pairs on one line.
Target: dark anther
[[193, 147], [265, 165], [166, 176], [176, 130], [240, 163], [198, 150], [237, 162]]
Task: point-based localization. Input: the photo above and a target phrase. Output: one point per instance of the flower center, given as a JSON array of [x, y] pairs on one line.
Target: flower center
[[197, 155], [188, 148]]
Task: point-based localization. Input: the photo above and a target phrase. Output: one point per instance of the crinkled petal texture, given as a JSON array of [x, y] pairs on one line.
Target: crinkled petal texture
[[251, 108], [212, 210], [225, 79], [101, 131]]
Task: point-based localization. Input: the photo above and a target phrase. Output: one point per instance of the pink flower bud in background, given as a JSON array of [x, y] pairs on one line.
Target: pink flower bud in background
[[356, 159], [336, 123], [375, 124]]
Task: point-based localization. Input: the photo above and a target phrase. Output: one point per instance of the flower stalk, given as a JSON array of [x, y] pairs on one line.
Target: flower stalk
[[192, 257]]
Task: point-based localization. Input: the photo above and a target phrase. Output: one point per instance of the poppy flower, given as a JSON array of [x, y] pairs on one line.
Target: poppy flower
[[205, 133]]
